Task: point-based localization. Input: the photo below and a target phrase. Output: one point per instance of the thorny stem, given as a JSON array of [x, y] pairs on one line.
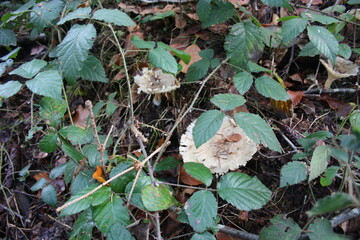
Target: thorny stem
[[106, 182]]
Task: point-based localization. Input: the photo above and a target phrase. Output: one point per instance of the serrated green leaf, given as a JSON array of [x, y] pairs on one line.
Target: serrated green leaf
[[256, 68], [82, 228], [48, 83], [185, 57], [141, 183], [326, 20], [71, 151], [281, 228], [163, 59], [138, 42], [83, 180], [48, 195], [309, 50], [52, 110], [197, 70], [93, 70], [11, 54], [100, 196], [199, 172], [227, 101], [353, 2], [206, 126], [244, 192], [268, 87], [203, 9], [92, 154], [113, 16], [118, 231], [157, 16], [80, 13], [29, 69], [243, 81], [329, 175], [203, 236], [220, 12], [72, 133], [339, 154], [344, 50], [324, 41], [7, 37], [292, 28], [244, 38], [44, 13], [277, 3], [119, 184], [38, 185], [57, 171], [201, 209], [334, 202], [214, 62], [157, 198], [207, 53], [293, 173], [321, 229], [79, 205], [49, 143], [319, 161], [167, 163], [258, 130], [74, 49], [69, 171], [9, 89]]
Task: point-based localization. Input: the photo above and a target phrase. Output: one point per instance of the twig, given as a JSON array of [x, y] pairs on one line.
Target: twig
[[237, 233], [344, 216], [329, 91]]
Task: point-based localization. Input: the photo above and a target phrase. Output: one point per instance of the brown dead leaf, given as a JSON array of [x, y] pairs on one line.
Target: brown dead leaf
[[120, 75], [42, 175], [193, 16], [296, 77], [238, 2], [295, 96], [81, 116], [188, 179], [283, 109], [36, 50], [130, 49], [244, 216], [220, 28], [193, 50], [343, 108], [116, 60], [308, 107], [313, 2], [42, 155], [235, 137], [225, 236], [180, 21]]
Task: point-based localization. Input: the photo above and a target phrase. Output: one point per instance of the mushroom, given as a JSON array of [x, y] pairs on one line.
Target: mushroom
[[155, 81], [343, 68], [227, 150]]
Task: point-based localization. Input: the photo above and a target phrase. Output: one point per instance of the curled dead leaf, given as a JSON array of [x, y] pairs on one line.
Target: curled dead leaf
[[99, 175]]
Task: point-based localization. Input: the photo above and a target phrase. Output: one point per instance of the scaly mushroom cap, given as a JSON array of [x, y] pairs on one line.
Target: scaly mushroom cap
[[227, 150], [155, 81]]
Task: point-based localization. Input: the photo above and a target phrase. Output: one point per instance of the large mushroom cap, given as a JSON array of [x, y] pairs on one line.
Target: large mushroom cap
[[155, 81], [227, 150]]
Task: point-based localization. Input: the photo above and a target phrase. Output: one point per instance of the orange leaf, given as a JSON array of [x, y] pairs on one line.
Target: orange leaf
[[99, 175], [296, 96], [235, 137], [188, 179], [42, 175]]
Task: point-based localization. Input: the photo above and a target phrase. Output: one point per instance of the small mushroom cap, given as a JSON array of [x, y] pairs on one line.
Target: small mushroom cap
[[343, 68], [155, 81], [227, 150]]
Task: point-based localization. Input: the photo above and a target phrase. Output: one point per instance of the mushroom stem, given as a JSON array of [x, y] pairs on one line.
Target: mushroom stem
[[157, 99]]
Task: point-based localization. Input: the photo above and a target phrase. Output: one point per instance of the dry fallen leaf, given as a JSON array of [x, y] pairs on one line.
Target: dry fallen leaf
[[295, 96], [81, 116], [42, 175], [238, 2], [99, 175], [193, 50], [180, 21], [188, 179]]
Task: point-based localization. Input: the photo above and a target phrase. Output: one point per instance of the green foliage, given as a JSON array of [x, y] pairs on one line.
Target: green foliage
[[331, 203], [80, 13], [163, 59], [49, 143], [319, 161], [167, 163], [113, 16], [243, 81], [48, 83], [48, 195], [43, 14], [199, 69], [269, 88], [9, 89], [203, 236], [156, 198], [292, 28], [228, 101], [119, 184], [329, 175], [293, 173], [199, 172], [219, 12], [136, 196], [7, 37], [321, 229], [280, 228], [29, 69]]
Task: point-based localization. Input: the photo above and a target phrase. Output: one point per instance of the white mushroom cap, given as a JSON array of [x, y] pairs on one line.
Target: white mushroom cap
[[343, 68], [227, 150], [155, 81]]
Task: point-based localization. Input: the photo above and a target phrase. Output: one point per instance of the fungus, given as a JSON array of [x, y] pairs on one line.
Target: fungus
[[227, 150], [155, 81], [343, 68]]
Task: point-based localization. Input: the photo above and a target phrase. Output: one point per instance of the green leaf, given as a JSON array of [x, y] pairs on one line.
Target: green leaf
[[293, 173], [163, 59], [329, 175], [326, 20], [258, 130], [7, 37], [197, 70], [111, 212], [141, 183], [244, 38], [92, 154], [207, 54], [319, 161], [331, 203], [256, 68], [243, 81], [157, 16], [82, 228], [227, 101], [309, 50], [100, 196], [167, 163], [185, 57], [29, 69], [324, 41], [9, 89], [13, 54], [321, 229], [83, 180], [80, 13], [339, 154], [268, 87], [157, 198], [344, 50], [48, 83], [52, 110], [49, 143], [201, 209], [73, 50], [220, 12], [203, 9], [206, 126], [69, 171], [119, 184], [73, 134], [244, 192], [118, 231], [292, 28], [71, 152], [277, 3], [44, 13], [57, 171], [138, 42], [48, 195], [38, 185], [203, 236], [353, 2], [93, 70], [199, 172], [110, 108], [113, 16], [281, 228]]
